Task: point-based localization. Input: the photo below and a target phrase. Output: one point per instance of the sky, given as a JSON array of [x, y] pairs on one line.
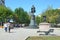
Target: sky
[[40, 5]]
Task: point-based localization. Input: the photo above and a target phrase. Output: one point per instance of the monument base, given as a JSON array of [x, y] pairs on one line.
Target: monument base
[[33, 26], [44, 26]]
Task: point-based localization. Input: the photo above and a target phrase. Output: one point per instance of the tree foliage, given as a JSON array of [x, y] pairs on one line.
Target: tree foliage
[[38, 20], [52, 15], [4, 13], [21, 15]]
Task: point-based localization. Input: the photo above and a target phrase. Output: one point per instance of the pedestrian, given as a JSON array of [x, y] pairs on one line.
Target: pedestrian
[[5, 27], [8, 25]]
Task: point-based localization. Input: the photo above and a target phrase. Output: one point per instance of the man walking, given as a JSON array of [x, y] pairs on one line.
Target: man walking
[[8, 27]]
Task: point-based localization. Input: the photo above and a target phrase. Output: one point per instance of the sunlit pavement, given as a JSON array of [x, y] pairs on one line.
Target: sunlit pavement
[[17, 34], [22, 33]]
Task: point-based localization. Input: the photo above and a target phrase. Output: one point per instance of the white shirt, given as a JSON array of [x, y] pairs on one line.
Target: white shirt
[[5, 25]]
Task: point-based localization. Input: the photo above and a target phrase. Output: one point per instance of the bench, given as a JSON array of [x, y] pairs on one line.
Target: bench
[[46, 32]]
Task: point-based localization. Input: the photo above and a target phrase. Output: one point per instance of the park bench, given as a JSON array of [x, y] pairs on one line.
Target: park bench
[[45, 28]]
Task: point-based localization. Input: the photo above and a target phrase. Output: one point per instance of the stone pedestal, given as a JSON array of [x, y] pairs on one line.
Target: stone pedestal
[[44, 26], [32, 22]]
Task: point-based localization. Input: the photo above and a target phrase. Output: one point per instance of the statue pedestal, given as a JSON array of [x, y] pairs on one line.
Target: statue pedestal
[[32, 22], [44, 26]]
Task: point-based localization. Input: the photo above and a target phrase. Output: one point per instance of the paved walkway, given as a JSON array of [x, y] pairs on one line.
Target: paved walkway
[[17, 34], [22, 33]]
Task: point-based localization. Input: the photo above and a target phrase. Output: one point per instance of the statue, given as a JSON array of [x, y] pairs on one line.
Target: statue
[[33, 9], [44, 18], [32, 21]]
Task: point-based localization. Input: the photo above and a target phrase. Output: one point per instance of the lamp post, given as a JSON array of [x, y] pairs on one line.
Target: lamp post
[[32, 21]]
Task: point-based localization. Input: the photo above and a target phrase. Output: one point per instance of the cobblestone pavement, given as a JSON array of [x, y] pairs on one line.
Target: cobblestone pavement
[[22, 34]]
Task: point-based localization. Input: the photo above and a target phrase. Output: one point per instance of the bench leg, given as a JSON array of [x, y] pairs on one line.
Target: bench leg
[[46, 33]]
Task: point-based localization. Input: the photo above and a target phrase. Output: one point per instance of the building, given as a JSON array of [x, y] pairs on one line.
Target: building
[[2, 2]]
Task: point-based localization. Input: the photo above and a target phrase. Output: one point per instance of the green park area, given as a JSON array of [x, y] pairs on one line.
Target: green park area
[[20, 16], [44, 38]]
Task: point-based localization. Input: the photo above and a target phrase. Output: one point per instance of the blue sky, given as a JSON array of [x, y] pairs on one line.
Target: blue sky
[[40, 5]]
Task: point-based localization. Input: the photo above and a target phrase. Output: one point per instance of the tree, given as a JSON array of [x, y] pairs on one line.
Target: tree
[[52, 15], [38, 20], [4, 13], [22, 16]]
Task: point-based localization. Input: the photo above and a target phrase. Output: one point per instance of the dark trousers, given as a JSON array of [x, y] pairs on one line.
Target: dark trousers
[[5, 29], [9, 29]]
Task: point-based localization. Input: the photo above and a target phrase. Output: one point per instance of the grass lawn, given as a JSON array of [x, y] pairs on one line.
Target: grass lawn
[[44, 38]]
